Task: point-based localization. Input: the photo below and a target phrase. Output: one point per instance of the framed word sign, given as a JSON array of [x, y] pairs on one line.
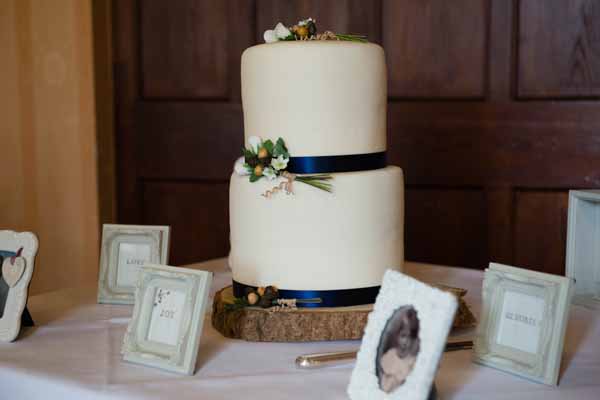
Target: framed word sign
[[17, 256], [403, 342], [125, 248], [168, 315], [523, 322]]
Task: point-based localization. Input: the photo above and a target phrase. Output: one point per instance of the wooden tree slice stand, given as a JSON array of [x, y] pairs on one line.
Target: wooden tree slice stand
[[257, 324]]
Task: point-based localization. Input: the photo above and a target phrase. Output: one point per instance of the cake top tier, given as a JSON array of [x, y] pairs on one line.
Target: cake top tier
[[322, 97]]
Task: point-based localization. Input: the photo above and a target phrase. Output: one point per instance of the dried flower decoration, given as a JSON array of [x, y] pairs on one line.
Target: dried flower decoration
[[306, 30], [284, 305], [265, 159], [267, 297]]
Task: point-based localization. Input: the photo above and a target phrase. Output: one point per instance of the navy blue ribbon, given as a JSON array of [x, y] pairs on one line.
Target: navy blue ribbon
[[330, 164], [329, 298]]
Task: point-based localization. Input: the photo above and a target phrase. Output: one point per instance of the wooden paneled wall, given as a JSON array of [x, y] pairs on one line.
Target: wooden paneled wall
[[493, 115]]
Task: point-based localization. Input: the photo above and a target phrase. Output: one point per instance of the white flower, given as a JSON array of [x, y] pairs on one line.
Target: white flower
[[281, 31], [255, 142], [240, 167], [306, 21], [269, 173], [270, 36], [279, 163]]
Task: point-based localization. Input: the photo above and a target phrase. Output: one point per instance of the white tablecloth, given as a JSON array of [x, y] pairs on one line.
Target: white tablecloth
[[74, 352]]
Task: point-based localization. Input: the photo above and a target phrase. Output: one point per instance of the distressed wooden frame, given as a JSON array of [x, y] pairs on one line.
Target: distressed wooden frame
[[555, 290], [583, 251], [109, 292], [180, 358], [10, 323]]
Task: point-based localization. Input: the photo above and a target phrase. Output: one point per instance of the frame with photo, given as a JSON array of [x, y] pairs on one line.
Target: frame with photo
[[523, 322], [168, 316], [404, 340], [125, 248], [17, 256]]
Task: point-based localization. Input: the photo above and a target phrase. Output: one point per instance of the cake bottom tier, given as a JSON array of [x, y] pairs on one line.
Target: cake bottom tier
[[314, 240]]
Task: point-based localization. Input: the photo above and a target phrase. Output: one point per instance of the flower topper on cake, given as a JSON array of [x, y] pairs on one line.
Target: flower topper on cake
[[265, 159], [306, 30]]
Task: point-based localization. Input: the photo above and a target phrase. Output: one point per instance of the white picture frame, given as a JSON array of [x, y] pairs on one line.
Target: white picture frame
[[168, 316], [18, 251], [124, 249], [523, 322], [418, 317], [583, 246]]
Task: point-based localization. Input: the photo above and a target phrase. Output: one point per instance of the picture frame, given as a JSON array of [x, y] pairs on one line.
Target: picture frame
[[404, 339], [583, 249], [124, 249], [523, 322], [17, 257], [168, 316]]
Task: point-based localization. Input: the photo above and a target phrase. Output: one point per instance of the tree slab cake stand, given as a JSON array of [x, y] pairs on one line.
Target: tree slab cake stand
[[257, 324]]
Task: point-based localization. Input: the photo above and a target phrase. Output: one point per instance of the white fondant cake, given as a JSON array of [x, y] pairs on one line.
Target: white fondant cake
[[314, 240], [324, 98]]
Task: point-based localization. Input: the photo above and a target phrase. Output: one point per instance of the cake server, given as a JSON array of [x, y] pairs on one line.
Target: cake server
[[319, 360]]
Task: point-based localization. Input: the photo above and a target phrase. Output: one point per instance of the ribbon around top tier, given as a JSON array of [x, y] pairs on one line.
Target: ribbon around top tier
[[331, 164], [329, 298]]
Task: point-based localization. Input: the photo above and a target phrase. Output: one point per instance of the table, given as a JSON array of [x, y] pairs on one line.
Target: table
[[74, 352]]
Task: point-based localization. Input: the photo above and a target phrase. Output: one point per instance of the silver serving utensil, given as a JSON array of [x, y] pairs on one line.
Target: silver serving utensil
[[320, 360]]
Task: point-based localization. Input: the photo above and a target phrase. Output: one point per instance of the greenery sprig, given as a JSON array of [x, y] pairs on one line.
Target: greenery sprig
[[320, 181], [351, 38]]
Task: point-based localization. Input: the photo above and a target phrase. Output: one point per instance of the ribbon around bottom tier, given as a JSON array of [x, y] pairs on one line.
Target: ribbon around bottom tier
[[329, 298]]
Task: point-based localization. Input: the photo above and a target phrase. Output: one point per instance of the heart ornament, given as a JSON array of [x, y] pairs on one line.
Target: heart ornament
[[13, 269]]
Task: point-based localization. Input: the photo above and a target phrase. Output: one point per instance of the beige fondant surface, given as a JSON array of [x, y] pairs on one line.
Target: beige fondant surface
[[314, 240], [322, 97]]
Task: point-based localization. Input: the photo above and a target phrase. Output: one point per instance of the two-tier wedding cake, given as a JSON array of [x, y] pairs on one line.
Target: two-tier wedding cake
[[332, 237]]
